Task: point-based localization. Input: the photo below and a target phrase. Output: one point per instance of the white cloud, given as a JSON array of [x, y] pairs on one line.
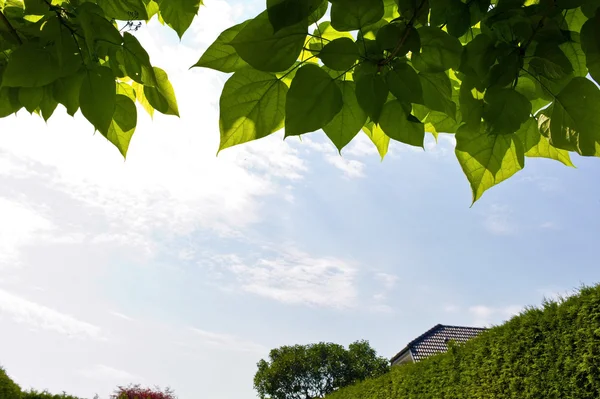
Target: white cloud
[[360, 146], [102, 372], [121, 316], [350, 167], [388, 281], [40, 317], [226, 341], [20, 225], [484, 315], [498, 220], [295, 277], [549, 226]]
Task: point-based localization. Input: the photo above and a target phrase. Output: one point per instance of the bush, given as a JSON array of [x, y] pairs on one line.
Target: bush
[[8, 388], [547, 352], [137, 392], [32, 394]]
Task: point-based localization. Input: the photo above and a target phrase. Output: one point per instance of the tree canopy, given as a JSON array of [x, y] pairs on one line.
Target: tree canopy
[[509, 78], [313, 371]]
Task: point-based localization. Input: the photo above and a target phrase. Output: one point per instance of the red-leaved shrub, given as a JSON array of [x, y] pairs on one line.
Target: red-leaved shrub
[[137, 392]]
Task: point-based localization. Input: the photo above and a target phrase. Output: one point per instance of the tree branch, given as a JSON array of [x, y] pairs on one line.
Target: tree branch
[[9, 26]]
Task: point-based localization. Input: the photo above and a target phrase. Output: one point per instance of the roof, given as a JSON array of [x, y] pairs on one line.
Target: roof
[[435, 341]]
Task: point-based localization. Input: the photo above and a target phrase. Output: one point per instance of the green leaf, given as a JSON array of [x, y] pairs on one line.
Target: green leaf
[[20, 73], [401, 126], [378, 137], [437, 93], [478, 57], [162, 97], [339, 54], [123, 123], [135, 61], [97, 30], [372, 93], [590, 43], [312, 101], [141, 98], [549, 61], [9, 101], [404, 84], [252, 106], [36, 7], [284, 13], [48, 103], [349, 15], [574, 18], [66, 91], [487, 159], [179, 14], [126, 90], [574, 53], [390, 35], [458, 18], [220, 55], [349, 121], [575, 118], [31, 97], [538, 146], [505, 110], [97, 97], [124, 10], [266, 50], [439, 51]]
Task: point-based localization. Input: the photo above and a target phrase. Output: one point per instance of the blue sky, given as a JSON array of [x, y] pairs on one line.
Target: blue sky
[[180, 268]]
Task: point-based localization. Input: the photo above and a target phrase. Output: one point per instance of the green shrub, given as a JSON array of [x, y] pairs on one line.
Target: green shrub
[[547, 352], [8, 388], [32, 394]]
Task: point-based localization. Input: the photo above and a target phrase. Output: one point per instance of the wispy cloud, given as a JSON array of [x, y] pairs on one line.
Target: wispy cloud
[[121, 316], [21, 225], [485, 315], [498, 220], [350, 167], [40, 317], [295, 277], [226, 341]]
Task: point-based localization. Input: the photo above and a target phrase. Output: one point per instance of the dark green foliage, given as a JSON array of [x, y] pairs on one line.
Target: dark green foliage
[[313, 371], [8, 388], [33, 394], [547, 352]]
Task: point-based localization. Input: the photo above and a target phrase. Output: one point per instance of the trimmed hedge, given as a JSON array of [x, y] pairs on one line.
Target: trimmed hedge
[[547, 352], [8, 388]]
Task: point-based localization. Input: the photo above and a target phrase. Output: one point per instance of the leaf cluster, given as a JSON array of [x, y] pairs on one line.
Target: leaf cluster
[[313, 371], [547, 352], [82, 54], [509, 78]]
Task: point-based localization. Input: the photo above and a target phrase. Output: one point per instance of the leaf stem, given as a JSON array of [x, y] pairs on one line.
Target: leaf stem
[[9, 26]]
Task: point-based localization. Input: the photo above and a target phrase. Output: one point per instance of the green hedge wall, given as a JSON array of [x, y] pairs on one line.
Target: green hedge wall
[[544, 353], [8, 389]]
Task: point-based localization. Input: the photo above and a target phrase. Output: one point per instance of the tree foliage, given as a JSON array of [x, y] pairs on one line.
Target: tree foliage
[[510, 79], [313, 371], [84, 55], [548, 352], [139, 392]]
